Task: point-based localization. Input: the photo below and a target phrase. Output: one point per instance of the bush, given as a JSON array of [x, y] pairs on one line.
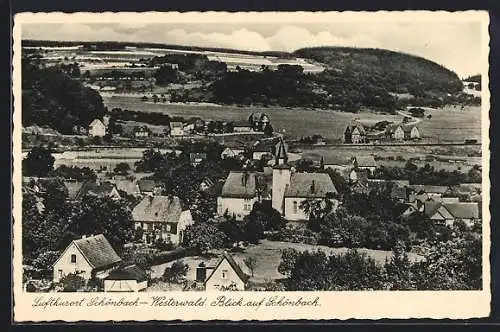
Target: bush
[[175, 273], [72, 282]]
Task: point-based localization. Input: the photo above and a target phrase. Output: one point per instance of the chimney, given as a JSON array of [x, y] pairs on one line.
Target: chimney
[[201, 273], [150, 199], [313, 188]]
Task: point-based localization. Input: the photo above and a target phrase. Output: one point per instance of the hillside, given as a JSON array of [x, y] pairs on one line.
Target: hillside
[[393, 71]]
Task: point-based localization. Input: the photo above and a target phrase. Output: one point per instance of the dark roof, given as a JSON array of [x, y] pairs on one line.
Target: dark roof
[[463, 210], [128, 186], [408, 128], [430, 208], [158, 209], [176, 124], [146, 185], [392, 128], [132, 272], [237, 269], [350, 128], [330, 157], [73, 188], [430, 189], [240, 185], [99, 189], [97, 250], [310, 185], [281, 150]]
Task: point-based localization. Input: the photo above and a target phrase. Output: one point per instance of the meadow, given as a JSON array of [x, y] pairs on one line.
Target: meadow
[[446, 125]]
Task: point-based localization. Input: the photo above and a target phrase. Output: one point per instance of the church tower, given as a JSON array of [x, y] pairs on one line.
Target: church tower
[[281, 177]]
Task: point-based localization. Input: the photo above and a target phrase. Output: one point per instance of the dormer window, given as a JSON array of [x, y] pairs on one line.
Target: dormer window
[[73, 258]]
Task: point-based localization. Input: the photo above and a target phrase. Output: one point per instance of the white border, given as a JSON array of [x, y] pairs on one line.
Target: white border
[[334, 305]]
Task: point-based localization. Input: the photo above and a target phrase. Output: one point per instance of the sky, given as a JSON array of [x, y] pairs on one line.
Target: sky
[[455, 45]]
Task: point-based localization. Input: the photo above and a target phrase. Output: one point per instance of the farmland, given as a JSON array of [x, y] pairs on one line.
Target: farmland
[[446, 125]]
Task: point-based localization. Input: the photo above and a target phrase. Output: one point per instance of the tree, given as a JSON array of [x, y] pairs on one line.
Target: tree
[[122, 169], [398, 269], [251, 262], [72, 282], [165, 75], [288, 258], [95, 215], [175, 273], [203, 236], [341, 229], [38, 162], [42, 264]]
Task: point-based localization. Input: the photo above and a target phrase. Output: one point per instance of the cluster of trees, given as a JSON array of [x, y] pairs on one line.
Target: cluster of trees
[[451, 265], [47, 232], [197, 65], [138, 116], [53, 98], [287, 86], [74, 173], [427, 175], [226, 231]]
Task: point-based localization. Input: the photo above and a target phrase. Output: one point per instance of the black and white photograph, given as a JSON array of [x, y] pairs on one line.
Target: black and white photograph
[[271, 156]]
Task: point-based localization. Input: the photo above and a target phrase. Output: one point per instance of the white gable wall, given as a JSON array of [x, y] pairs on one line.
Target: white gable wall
[[224, 276], [64, 265]]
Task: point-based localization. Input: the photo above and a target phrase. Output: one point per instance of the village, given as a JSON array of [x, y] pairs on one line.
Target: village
[[157, 193]]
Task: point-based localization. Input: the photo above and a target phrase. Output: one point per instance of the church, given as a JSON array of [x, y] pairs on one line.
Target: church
[[289, 189]]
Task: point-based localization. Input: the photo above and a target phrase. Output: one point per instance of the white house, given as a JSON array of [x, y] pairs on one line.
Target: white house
[[231, 152], [88, 257], [161, 217], [225, 275], [306, 186], [238, 195], [141, 132], [290, 190], [448, 213], [97, 128], [127, 279], [176, 129], [411, 132]]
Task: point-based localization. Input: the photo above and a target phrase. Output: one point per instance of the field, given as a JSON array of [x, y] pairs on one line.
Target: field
[[268, 256], [446, 125]]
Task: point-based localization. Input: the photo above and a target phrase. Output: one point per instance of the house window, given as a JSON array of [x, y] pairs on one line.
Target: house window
[[168, 228], [295, 207], [247, 205], [224, 274], [73, 258]]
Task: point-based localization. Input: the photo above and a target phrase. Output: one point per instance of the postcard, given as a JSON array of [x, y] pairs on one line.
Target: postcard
[[250, 166]]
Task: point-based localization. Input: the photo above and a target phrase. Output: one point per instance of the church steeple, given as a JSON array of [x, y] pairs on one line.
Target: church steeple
[[281, 156]]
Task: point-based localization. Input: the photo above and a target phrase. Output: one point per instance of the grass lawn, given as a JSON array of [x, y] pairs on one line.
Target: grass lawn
[[268, 256]]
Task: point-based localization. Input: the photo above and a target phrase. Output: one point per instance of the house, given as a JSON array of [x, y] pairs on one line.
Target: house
[[128, 186], [97, 128], [358, 175], [150, 187], [395, 131], [126, 279], [161, 217], [98, 189], [447, 213], [91, 256], [430, 190], [302, 187], [105, 120], [355, 133], [195, 158], [73, 188], [231, 152], [189, 128], [225, 275], [141, 132], [242, 127], [238, 195], [405, 209], [258, 121], [411, 132], [366, 162], [176, 128]]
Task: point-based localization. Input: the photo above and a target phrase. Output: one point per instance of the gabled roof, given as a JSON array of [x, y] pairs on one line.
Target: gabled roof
[[350, 128], [281, 150], [240, 185], [132, 272], [96, 122], [393, 127], [237, 269], [430, 208], [365, 161], [176, 124], [407, 128], [435, 189], [73, 188], [147, 185], [99, 189], [128, 186], [463, 210], [97, 251], [310, 185], [158, 209]]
